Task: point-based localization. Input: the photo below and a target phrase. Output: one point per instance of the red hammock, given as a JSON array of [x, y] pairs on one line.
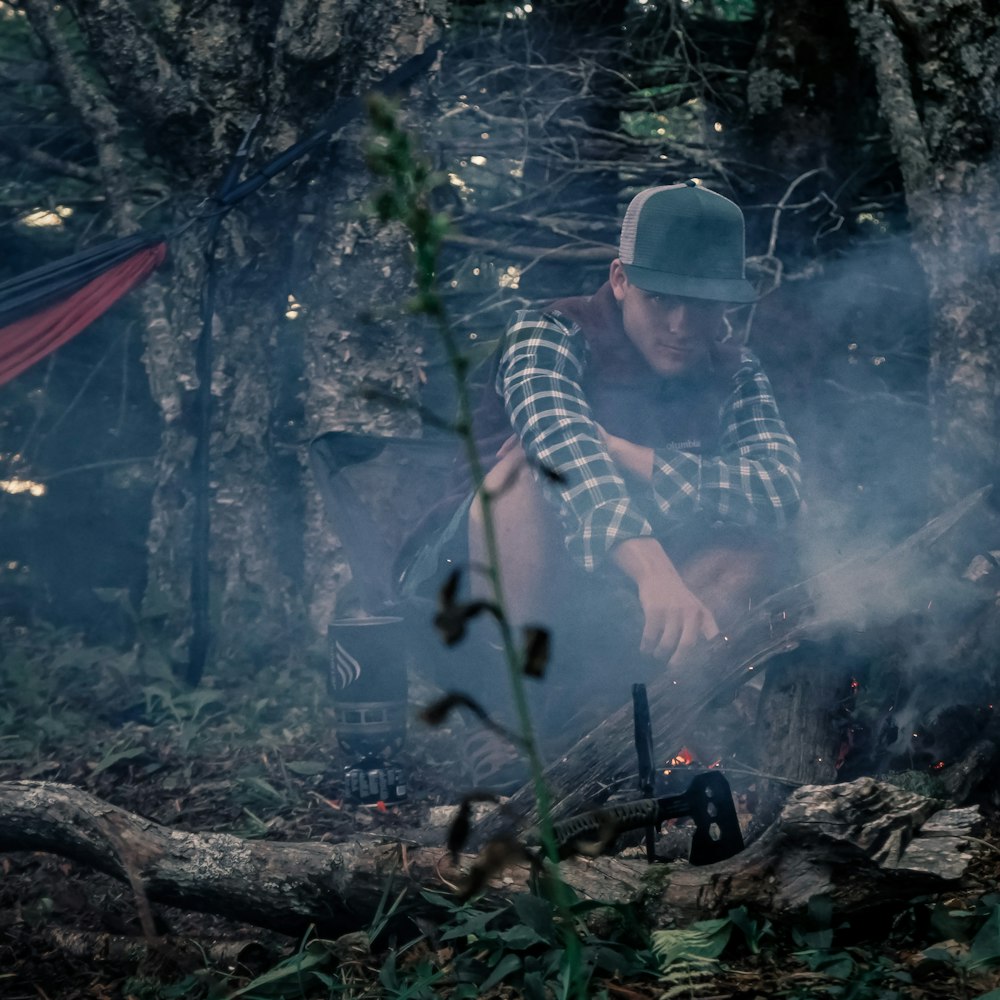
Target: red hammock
[[34, 334]]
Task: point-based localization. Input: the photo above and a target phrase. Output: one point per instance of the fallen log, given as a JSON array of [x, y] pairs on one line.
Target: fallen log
[[125, 949], [861, 843], [812, 611], [285, 887]]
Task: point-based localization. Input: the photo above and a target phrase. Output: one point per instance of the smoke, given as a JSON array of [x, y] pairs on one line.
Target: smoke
[[846, 351]]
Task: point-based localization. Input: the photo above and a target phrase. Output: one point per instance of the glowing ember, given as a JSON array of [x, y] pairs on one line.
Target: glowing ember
[[683, 758]]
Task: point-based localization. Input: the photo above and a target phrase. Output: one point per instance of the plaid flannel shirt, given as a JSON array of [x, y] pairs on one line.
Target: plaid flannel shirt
[[753, 480]]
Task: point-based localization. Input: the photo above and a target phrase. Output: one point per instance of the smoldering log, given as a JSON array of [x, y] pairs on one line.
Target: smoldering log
[[284, 887], [604, 759], [862, 843]]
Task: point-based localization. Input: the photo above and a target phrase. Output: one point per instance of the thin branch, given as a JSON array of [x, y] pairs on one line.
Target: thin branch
[[98, 114], [90, 466], [879, 43], [597, 253], [46, 161]]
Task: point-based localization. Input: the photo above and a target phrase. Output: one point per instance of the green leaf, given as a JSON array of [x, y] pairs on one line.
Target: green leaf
[[440, 899], [754, 931], [315, 953], [820, 940], [536, 913], [819, 911], [474, 924], [306, 768], [506, 965], [520, 937], [465, 992], [839, 965], [621, 962], [263, 787], [954, 955], [113, 757], [533, 986], [985, 948], [703, 940], [387, 974], [195, 702], [954, 925], [178, 991]]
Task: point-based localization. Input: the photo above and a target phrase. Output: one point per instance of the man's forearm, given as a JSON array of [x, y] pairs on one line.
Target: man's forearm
[[644, 559]]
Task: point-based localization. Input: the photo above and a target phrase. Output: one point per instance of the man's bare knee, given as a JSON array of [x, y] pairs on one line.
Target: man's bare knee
[[514, 502], [525, 535]]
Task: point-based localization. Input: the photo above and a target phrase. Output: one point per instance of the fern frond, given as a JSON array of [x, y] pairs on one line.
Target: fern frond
[[690, 979]]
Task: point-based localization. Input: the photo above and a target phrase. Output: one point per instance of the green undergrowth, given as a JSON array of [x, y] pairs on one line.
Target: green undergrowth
[[116, 720], [513, 949], [928, 949]]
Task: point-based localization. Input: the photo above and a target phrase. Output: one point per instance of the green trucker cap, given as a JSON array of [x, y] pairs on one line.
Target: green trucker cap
[[683, 239]]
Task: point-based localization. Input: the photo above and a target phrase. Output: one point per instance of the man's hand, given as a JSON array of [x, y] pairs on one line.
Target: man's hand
[[675, 620]]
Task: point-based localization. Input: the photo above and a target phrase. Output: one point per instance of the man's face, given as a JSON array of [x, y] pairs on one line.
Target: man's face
[[673, 334]]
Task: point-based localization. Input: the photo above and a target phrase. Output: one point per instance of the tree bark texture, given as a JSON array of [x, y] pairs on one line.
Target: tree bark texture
[[862, 843], [282, 886], [298, 265]]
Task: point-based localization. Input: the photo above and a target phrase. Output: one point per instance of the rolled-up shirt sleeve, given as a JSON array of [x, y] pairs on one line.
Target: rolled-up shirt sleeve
[[539, 378], [754, 480]]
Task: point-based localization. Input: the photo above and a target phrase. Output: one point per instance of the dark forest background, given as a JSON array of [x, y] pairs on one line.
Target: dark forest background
[[859, 138]]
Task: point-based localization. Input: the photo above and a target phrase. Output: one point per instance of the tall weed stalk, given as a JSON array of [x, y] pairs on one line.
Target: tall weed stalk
[[407, 198]]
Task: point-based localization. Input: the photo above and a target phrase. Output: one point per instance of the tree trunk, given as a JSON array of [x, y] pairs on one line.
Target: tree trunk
[[297, 265], [937, 68], [795, 726], [864, 844]]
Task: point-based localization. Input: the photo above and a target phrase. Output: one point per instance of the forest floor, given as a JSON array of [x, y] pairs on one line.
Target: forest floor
[[255, 756]]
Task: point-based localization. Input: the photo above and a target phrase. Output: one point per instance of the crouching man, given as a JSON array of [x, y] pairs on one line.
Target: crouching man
[[675, 474]]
